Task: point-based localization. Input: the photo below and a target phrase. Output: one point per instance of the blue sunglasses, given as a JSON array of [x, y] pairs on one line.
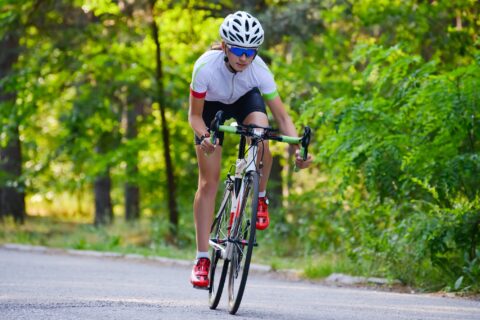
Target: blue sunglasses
[[242, 51]]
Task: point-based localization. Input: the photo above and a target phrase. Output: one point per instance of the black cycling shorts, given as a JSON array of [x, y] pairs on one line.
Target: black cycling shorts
[[252, 101]]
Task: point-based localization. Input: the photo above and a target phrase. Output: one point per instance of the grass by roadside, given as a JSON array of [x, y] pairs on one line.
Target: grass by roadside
[[119, 237]]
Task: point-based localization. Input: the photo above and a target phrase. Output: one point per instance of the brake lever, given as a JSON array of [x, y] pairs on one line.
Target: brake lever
[[215, 126], [305, 141]]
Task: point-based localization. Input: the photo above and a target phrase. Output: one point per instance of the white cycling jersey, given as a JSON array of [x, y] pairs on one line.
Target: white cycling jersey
[[212, 80]]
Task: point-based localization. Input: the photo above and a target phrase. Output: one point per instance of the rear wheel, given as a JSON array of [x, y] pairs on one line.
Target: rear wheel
[[244, 240], [218, 243]]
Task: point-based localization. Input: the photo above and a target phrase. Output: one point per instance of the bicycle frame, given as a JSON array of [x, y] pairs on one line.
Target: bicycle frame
[[242, 167]]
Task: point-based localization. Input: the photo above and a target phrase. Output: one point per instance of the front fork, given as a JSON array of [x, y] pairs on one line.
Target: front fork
[[242, 165]]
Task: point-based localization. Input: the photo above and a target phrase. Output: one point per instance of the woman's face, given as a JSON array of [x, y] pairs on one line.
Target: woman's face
[[238, 63]]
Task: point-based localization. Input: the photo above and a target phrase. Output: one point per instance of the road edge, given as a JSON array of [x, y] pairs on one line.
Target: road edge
[[335, 280]]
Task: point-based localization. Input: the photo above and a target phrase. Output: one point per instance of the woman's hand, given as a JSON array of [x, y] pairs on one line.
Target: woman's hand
[[300, 163], [206, 145]]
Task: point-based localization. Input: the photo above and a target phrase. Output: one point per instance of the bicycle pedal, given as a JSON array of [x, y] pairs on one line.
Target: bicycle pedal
[[245, 243]]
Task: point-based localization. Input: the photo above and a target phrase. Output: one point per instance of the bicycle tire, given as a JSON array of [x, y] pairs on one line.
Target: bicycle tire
[[219, 265], [244, 235]]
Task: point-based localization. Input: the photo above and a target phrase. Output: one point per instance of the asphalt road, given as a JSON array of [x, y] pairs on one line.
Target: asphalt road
[[45, 285]]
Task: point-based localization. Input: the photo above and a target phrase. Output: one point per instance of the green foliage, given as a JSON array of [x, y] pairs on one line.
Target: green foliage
[[409, 137]]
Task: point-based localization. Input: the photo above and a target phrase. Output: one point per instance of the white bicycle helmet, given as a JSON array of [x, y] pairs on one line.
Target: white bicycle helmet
[[242, 29]]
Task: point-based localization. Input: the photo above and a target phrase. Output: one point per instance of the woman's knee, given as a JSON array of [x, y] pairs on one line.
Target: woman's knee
[[208, 186]]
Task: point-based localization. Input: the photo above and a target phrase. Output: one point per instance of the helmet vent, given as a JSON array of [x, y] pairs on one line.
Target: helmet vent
[[232, 36]]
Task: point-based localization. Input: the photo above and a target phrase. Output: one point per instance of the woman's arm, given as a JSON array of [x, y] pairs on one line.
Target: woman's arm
[[198, 125], [287, 127], [281, 116], [195, 116]]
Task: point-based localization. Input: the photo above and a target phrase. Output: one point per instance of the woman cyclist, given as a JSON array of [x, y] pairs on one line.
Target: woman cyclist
[[232, 79]]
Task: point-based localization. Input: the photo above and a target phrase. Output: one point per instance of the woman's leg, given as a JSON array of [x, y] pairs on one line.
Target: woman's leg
[[261, 119], [263, 220], [204, 202]]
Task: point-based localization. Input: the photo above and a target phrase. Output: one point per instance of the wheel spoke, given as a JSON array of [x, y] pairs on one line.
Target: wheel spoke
[[218, 242]]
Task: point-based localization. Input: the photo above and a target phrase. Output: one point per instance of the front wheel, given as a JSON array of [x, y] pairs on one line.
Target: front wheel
[[243, 238], [218, 243]]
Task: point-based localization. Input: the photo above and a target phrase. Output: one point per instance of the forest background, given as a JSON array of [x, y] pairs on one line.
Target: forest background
[[96, 151]]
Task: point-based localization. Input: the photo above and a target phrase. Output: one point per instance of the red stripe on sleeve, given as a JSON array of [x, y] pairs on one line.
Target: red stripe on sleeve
[[198, 95]]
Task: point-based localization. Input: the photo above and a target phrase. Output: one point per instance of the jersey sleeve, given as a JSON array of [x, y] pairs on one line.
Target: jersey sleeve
[[266, 85], [199, 84]]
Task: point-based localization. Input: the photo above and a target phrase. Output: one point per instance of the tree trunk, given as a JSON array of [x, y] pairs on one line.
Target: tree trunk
[[132, 201], [275, 185], [103, 201], [132, 191], [171, 186], [103, 185], [12, 194]]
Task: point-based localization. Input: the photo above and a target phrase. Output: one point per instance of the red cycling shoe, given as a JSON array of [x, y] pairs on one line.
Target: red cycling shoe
[[263, 219], [199, 276]]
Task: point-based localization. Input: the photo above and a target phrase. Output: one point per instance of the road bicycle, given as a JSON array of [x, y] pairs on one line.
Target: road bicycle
[[232, 235]]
